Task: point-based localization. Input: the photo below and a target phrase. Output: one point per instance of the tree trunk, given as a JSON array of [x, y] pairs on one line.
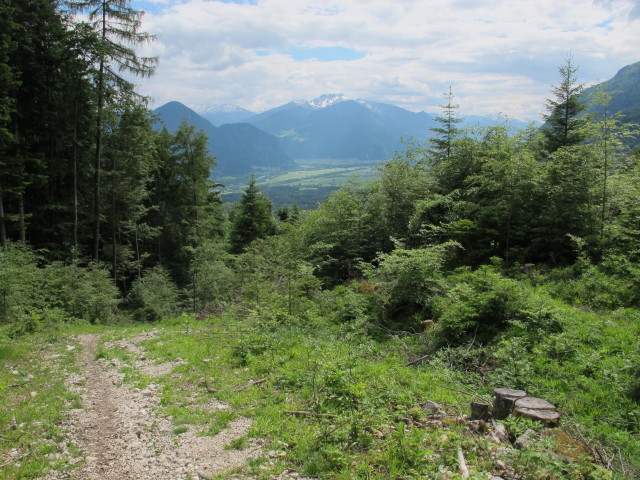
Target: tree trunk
[[21, 216], [98, 156], [138, 253], [504, 401], [3, 231], [97, 167], [21, 222], [114, 221], [605, 175], [508, 240], [75, 177]]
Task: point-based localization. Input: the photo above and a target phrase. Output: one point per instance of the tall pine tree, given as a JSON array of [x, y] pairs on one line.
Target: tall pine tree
[[252, 218], [441, 142], [118, 26], [563, 124]]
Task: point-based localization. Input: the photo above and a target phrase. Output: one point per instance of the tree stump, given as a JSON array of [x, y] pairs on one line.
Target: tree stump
[[431, 408], [480, 411], [537, 409], [504, 401], [534, 403]]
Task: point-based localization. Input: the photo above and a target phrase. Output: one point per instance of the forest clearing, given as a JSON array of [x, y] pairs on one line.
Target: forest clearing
[[468, 310]]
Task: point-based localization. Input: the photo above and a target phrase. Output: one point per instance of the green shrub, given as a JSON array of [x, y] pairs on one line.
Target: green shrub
[[154, 295], [596, 288], [215, 280], [19, 278], [34, 297], [479, 304], [409, 282], [93, 295]]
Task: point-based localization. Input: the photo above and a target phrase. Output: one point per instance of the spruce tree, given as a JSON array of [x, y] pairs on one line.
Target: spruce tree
[[7, 83], [118, 26], [563, 124], [252, 218], [441, 142]]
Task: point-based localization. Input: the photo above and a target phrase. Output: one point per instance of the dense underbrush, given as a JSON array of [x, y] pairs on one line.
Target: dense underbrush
[[350, 373], [352, 400]]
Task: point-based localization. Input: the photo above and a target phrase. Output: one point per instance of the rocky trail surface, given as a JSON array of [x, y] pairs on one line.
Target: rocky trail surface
[[122, 436]]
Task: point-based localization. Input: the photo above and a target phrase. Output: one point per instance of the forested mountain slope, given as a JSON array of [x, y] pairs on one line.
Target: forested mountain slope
[[239, 148], [336, 127], [624, 91]]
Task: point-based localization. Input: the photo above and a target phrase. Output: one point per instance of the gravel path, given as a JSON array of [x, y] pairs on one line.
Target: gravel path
[[122, 437]]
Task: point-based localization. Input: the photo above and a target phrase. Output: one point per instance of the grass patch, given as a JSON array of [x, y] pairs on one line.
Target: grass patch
[[33, 402], [180, 429], [238, 443], [337, 403], [319, 177], [361, 404]]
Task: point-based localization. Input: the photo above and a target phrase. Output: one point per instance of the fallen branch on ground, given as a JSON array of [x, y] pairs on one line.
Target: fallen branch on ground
[[464, 471], [210, 389], [418, 360], [251, 384], [310, 414]]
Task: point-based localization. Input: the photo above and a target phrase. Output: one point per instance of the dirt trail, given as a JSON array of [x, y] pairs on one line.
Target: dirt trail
[[122, 437]]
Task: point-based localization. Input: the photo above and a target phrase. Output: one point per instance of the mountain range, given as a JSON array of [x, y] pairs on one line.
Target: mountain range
[[239, 148], [336, 127], [220, 114], [339, 128], [331, 126]]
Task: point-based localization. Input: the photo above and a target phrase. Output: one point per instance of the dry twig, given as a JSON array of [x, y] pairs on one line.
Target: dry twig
[[310, 414], [250, 384], [464, 471], [210, 389]]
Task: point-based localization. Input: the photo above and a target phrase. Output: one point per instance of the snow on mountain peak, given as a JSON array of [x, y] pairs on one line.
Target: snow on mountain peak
[[327, 100], [215, 108]]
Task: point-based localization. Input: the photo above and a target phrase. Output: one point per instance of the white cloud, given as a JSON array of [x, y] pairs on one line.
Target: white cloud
[[498, 55]]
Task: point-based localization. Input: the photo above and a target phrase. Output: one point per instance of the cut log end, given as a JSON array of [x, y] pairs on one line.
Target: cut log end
[[509, 392], [549, 418], [534, 403]]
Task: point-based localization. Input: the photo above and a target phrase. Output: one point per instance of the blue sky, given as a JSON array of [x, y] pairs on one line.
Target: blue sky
[[499, 56]]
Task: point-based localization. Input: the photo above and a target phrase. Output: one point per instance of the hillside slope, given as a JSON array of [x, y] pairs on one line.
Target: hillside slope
[[336, 127], [624, 89], [239, 148]]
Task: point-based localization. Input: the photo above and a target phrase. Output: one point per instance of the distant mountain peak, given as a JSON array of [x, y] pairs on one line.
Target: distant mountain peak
[[328, 99], [218, 108], [323, 101]]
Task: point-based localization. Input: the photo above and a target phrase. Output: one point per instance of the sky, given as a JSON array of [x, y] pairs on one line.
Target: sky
[[498, 56]]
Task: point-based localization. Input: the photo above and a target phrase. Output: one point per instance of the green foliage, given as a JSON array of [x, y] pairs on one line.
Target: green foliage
[[272, 275], [154, 295], [18, 275], [442, 141], [251, 220], [342, 232], [93, 295], [35, 298], [478, 304], [410, 282], [213, 274], [563, 122], [507, 192], [403, 183], [593, 287]]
